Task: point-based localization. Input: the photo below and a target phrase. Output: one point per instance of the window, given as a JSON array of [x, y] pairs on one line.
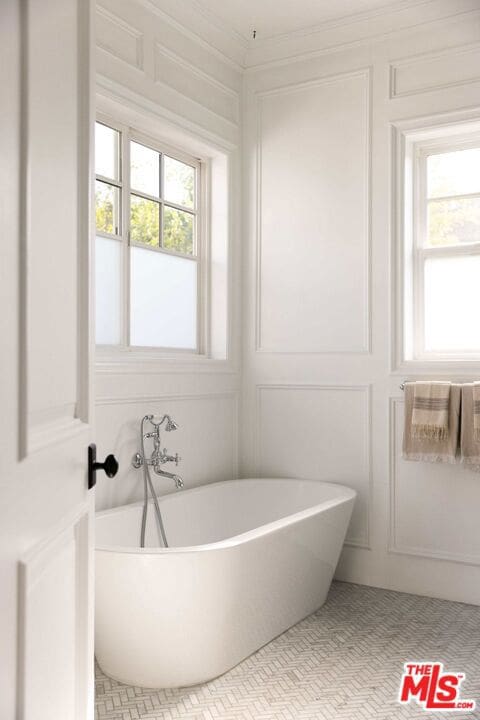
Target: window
[[149, 249], [441, 246]]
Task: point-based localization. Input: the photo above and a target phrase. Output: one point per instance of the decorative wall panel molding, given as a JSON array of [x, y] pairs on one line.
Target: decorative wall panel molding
[[207, 440], [140, 399], [319, 432], [119, 39], [305, 239], [176, 72], [435, 71], [188, 20], [433, 506], [52, 426], [53, 580]]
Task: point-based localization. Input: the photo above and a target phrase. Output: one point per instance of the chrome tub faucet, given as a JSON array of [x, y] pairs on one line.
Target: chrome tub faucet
[[158, 457]]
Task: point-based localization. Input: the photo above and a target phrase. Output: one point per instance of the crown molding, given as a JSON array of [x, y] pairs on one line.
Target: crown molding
[[329, 36], [195, 21], [214, 19], [340, 21], [359, 32]]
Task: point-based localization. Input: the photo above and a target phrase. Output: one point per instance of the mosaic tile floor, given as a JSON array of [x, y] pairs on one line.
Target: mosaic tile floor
[[344, 662]]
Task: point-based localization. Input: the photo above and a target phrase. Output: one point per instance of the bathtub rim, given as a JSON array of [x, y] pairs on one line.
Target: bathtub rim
[[345, 494]]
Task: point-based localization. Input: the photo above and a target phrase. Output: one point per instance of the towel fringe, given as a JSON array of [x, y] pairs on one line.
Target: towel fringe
[[431, 457]]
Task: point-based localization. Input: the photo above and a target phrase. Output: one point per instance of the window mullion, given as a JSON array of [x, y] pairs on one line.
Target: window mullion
[[162, 195], [419, 234], [440, 251], [125, 164], [464, 196], [145, 196], [109, 181], [160, 228]]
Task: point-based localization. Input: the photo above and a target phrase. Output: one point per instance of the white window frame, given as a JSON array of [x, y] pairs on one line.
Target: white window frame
[[443, 131], [421, 252], [201, 245]]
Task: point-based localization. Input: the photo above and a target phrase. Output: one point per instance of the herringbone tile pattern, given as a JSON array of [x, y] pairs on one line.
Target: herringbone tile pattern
[[342, 663]]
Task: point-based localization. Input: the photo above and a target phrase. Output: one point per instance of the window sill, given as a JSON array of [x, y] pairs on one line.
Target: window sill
[[147, 362], [440, 366]]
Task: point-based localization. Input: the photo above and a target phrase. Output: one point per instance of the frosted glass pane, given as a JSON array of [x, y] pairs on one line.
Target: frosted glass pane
[[452, 299], [163, 302], [108, 274], [453, 173]]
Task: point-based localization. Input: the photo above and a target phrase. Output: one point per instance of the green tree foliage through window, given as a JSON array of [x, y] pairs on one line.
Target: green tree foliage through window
[[453, 197], [177, 230], [106, 207], [144, 221]]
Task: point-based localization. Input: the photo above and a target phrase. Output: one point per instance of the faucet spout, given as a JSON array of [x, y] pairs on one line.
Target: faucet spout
[[163, 473]]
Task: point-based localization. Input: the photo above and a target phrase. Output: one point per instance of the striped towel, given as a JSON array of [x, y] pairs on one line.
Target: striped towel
[[476, 411], [430, 410], [470, 446], [432, 449]]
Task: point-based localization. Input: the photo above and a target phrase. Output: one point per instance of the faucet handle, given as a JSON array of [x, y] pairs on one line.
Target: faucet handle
[[170, 458]]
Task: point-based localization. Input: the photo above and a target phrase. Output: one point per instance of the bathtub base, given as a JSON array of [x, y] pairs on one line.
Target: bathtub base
[[158, 682], [181, 617]]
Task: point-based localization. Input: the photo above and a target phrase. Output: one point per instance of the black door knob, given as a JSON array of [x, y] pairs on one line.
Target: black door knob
[[110, 465]]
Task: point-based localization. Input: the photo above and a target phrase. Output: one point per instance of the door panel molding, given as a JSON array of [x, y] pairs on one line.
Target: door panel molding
[[53, 583]]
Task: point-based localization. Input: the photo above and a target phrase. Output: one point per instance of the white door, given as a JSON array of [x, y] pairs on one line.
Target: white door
[[46, 511]]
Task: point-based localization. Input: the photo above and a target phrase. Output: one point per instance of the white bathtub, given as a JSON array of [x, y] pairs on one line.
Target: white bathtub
[[247, 560]]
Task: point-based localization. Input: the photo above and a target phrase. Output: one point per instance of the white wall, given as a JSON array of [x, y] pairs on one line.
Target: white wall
[[176, 86], [321, 394]]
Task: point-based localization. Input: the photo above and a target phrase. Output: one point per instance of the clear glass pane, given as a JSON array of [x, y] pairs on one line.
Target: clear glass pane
[[107, 208], [163, 301], [177, 230], [107, 151], [179, 182], [452, 299], [453, 173], [144, 221], [144, 169], [108, 274], [451, 222]]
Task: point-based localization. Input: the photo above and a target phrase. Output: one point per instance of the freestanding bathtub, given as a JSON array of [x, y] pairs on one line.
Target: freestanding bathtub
[[247, 560]]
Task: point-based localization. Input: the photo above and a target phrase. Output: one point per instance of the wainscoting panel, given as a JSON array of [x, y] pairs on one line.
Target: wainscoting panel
[[313, 216], [206, 441], [118, 38], [320, 433], [434, 71], [434, 506]]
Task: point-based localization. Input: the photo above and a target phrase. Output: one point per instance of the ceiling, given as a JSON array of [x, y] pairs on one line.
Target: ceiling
[[278, 17]]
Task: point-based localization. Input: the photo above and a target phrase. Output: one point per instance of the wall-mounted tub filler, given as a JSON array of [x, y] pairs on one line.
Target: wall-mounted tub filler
[[158, 458]]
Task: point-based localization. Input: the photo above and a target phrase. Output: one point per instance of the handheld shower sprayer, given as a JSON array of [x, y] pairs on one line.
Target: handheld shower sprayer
[[158, 458]]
